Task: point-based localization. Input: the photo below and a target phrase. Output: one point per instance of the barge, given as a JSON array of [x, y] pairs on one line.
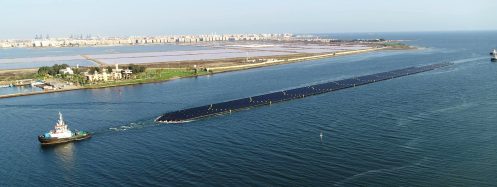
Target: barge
[[187, 115]]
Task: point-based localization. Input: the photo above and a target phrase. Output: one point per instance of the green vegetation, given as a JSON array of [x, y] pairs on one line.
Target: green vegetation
[[75, 78], [395, 44], [151, 75], [137, 68], [92, 70], [164, 74], [17, 75], [46, 72], [109, 68], [54, 70], [140, 75]]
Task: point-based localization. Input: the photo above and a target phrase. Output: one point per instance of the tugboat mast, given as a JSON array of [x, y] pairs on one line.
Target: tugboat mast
[[61, 126]]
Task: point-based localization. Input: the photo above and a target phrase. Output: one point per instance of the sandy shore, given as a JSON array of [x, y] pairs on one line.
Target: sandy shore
[[292, 60]]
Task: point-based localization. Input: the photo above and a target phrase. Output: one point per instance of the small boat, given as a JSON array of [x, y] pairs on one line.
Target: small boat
[[33, 84], [62, 134], [494, 56]]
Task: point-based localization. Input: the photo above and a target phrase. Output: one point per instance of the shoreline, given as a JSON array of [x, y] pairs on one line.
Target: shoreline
[[214, 70]]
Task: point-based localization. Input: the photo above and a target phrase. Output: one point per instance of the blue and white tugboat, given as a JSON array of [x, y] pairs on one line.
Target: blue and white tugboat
[[62, 134]]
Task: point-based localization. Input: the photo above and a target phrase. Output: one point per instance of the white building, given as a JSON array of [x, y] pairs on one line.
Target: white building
[[116, 74], [68, 70]]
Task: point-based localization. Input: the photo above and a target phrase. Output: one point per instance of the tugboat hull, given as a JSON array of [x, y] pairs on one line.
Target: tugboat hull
[[53, 141]]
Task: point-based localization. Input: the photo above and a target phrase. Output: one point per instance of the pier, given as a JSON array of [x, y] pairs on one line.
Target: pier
[[227, 107]]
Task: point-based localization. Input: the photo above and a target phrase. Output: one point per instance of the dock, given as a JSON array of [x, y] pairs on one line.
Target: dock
[[228, 107]]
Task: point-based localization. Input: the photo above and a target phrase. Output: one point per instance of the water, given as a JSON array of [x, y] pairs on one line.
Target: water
[[71, 51], [431, 129], [19, 89], [21, 58]]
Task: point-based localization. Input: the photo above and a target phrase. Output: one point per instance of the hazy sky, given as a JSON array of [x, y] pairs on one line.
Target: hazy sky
[[26, 18]]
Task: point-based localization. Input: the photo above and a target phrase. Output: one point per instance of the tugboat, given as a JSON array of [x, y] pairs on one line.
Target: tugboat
[[62, 134], [494, 56]]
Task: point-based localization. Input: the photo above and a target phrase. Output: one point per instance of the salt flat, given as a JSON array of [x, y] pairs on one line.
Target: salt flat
[[213, 52]]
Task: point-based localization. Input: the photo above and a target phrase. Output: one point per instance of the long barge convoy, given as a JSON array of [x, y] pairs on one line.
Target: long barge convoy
[[190, 114]]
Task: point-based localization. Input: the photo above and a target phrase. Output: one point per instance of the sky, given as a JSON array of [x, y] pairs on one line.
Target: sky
[[23, 19]]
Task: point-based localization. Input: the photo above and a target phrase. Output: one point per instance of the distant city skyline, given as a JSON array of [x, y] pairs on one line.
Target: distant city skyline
[[24, 19]]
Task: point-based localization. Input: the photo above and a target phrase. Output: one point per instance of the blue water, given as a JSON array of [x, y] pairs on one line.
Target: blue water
[[431, 129]]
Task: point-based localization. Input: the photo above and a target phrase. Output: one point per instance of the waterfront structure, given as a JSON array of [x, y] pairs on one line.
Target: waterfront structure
[[136, 40], [44, 43], [127, 73], [96, 76], [115, 74], [23, 82], [68, 70]]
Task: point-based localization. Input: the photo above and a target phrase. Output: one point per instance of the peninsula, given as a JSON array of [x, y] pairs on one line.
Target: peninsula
[[208, 56]]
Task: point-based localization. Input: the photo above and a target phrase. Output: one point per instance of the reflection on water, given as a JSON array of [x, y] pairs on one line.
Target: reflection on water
[[64, 159], [64, 154], [19, 89]]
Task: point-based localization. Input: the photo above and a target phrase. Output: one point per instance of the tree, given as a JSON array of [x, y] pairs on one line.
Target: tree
[[109, 69], [137, 68], [54, 70], [76, 71], [93, 69], [44, 70]]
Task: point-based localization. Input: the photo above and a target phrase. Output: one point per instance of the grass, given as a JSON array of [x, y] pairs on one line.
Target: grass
[[150, 75], [17, 75]]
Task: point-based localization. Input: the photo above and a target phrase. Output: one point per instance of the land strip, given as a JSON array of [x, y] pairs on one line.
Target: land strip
[[159, 73]]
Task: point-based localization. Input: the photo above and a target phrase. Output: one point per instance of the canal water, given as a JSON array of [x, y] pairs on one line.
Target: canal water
[[431, 129], [19, 89]]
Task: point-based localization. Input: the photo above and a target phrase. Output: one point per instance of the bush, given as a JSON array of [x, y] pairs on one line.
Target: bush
[[93, 69], [137, 68], [54, 70]]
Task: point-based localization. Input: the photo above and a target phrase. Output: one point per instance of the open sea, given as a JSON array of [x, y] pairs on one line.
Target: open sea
[[437, 128]]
